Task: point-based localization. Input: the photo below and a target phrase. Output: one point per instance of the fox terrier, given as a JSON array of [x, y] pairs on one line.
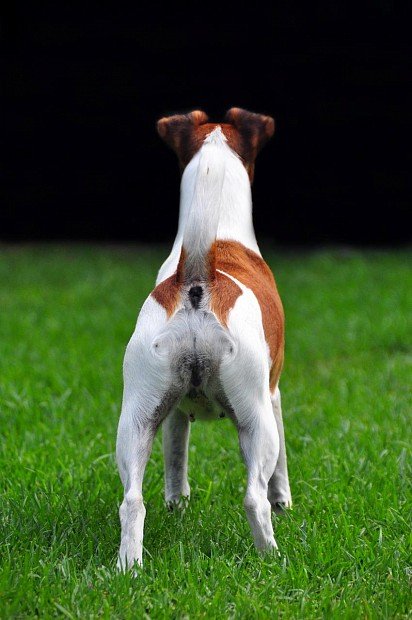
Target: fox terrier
[[210, 336]]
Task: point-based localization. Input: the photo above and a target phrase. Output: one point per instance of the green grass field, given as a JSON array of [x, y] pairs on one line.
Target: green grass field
[[66, 316]]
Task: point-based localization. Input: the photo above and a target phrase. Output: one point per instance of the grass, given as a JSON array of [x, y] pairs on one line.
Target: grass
[[66, 316]]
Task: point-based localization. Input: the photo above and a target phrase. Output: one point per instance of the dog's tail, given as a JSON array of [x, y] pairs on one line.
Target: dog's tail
[[196, 263]]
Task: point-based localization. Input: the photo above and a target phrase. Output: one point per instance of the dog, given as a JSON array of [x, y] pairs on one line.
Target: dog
[[210, 336]]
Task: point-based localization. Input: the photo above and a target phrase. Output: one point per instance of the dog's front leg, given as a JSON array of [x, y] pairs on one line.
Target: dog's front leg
[[176, 430], [278, 489], [134, 444]]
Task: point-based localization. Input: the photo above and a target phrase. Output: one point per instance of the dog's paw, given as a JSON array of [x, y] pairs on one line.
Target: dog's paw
[[131, 568], [281, 503], [280, 508], [267, 547], [129, 559], [178, 504]]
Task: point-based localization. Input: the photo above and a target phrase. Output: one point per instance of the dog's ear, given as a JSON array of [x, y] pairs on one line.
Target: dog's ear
[[255, 129], [177, 130]]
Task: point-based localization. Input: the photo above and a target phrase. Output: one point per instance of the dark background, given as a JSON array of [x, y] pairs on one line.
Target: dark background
[[85, 86]]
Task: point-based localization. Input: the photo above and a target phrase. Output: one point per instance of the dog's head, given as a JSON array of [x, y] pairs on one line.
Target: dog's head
[[246, 134]]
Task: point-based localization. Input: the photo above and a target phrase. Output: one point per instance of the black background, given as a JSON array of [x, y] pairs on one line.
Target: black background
[[85, 86]]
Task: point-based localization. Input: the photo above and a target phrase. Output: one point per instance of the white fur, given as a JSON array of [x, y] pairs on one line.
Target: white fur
[[202, 219], [166, 356], [235, 219]]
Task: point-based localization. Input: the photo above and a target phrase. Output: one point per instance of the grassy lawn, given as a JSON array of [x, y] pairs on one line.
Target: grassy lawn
[[66, 316]]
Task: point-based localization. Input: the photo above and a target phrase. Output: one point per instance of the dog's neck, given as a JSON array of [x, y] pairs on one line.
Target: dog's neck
[[235, 220]]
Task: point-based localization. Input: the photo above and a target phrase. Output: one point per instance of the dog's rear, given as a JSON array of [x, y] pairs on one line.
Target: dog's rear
[[210, 335], [194, 341]]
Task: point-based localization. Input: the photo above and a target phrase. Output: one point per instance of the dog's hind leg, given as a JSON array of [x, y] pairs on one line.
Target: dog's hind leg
[[245, 383], [279, 490], [146, 401], [134, 445], [176, 430], [259, 443]]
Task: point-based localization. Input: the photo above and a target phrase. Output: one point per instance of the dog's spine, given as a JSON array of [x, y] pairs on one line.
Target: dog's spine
[[202, 223]]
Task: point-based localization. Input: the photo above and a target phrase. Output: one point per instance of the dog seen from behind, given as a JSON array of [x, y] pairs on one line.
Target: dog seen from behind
[[210, 337]]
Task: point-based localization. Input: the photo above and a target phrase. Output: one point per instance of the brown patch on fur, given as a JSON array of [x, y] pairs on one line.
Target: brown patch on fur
[[180, 270], [245, 132], [251, 270], [168, 293], [223, 295]]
